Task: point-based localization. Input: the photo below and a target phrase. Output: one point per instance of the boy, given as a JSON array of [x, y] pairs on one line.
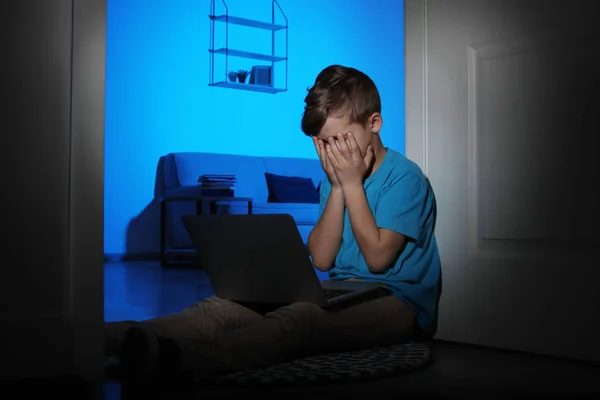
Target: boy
[[378, 211], [376, 223]]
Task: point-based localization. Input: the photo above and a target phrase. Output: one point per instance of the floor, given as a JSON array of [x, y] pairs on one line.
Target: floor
[[139, 290]]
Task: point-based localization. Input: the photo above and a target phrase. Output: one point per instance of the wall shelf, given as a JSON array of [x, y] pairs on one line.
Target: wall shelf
[[274, 59], [247, 86], [247, 54], [247, 22]]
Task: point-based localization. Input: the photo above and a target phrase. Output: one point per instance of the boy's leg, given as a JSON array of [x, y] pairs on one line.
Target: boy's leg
[[301, 329], [203, 320]]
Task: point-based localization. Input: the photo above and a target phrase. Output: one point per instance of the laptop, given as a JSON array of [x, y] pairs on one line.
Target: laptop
[[261, 258]]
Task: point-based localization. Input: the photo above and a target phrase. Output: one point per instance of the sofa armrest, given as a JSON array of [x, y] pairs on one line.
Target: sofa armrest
[[167, 178]]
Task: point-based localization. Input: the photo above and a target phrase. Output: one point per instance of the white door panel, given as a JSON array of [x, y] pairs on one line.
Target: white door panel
[[501, 105]]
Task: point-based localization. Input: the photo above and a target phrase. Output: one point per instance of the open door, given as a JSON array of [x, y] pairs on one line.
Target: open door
[[502, 112], [52, 170]]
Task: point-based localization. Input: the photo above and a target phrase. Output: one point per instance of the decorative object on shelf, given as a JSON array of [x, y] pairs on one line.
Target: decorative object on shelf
[[262, 77], [232, 76], [241, 75]]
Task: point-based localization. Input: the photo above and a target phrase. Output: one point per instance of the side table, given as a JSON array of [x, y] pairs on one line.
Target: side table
[[204, 205]]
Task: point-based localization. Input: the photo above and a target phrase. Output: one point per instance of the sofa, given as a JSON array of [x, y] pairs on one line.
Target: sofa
[[180, 173]]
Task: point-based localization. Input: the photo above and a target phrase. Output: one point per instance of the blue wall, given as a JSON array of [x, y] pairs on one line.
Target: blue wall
[[158, 100]]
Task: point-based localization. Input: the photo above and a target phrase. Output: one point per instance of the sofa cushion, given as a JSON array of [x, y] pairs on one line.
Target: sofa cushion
[[303, 213], [291, 189], [305, 167]]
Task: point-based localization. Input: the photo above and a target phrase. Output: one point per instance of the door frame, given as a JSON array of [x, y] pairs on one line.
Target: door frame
[[416, 100]]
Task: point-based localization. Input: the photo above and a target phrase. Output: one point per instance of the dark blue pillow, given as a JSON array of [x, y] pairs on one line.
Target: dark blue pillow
[[291, 189]]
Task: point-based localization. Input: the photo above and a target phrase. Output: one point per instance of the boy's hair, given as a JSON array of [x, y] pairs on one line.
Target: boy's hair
[[340, 92]]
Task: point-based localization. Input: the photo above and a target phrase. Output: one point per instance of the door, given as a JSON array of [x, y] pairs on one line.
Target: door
[[502, 105], [51, 170]]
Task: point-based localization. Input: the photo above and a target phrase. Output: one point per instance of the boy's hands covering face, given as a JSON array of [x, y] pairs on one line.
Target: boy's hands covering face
[[349, 165], [327, 166]]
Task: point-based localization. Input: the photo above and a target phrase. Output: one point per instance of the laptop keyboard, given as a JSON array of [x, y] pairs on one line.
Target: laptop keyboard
[[331, 293]]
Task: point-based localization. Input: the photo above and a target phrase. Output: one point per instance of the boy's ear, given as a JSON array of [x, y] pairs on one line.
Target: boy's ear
[[375, 122]]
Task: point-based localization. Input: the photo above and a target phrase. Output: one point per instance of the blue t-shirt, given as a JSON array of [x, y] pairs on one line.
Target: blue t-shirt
[[401, 200]]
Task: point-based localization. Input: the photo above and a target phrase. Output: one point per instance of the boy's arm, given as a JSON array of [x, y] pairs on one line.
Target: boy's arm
[[403, 208], [401, 211], [378, 246], [325, 238]]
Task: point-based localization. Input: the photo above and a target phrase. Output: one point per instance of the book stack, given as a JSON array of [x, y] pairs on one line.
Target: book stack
[[216, 185]]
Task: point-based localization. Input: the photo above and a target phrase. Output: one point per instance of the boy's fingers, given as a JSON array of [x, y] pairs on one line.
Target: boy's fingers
[[353, 145], [334, 152], [333, 159], [316, 144]]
